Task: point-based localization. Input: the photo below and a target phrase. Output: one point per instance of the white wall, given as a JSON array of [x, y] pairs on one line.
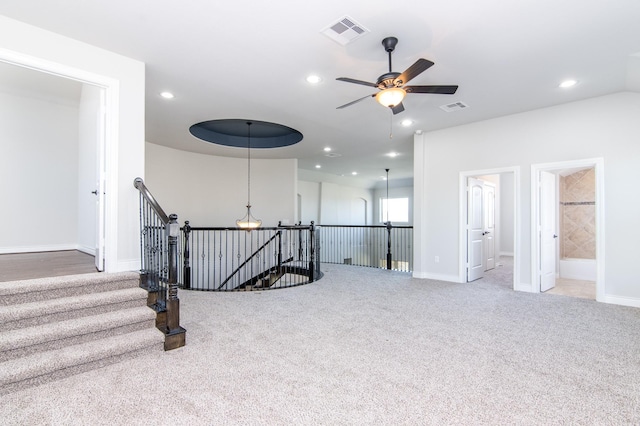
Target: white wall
[[507, 211], [343, 205], [605, 127], [335, 204], [310, 197], [125, 151], [38, 173], [211, 191]]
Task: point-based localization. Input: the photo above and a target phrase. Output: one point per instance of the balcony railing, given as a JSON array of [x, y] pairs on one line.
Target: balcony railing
[[383, 246]]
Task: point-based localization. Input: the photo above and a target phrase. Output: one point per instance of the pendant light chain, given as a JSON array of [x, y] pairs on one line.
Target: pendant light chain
[[249, 222], [249, 123]]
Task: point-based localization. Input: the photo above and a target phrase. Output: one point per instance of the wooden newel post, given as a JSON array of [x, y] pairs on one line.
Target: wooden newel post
[[174, 334], [187, 266], [389, 257]]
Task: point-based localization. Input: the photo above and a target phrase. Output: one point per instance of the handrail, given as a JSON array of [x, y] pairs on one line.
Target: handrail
[[366, 226], [235, 228], [239, 268], [144, 191], [159, 265]]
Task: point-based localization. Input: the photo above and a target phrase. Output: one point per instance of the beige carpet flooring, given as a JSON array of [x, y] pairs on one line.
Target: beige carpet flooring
[[366, 346]]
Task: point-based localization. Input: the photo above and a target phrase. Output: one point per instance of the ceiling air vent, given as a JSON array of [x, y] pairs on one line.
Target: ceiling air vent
[[456, 106], [344, 31]]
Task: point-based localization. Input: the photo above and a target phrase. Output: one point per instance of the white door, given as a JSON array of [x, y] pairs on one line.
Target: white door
[[489, 200], [475, 229], [100, 185], [548, 232]]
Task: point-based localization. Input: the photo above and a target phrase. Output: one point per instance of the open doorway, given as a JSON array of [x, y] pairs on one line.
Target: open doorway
[[488, 237], [58, 164], [567, 233]]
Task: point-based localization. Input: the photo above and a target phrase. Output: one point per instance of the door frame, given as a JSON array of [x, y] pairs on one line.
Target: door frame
[[462, 221], [108, 154], [598, 165]]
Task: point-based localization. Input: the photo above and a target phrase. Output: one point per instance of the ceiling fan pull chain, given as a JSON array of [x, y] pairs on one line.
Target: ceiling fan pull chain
[[391, 124]]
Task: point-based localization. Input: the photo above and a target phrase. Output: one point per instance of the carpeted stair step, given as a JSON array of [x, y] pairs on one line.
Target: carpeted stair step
[[26, 291], [26, 341], [45, 311], [43, 367]]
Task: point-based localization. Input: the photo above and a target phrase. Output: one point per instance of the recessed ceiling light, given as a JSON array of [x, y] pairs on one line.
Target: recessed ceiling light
[[568, 83], [313, 79], [354, 173], [167, 95], [383, 177], [406, 123], [327, 149], [392, 154], [318, 166]]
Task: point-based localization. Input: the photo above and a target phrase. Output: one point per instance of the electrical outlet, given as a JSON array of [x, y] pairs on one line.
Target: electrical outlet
[[437, 259]]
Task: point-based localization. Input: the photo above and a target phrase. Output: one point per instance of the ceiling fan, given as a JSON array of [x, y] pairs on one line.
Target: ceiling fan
[[392, 84]]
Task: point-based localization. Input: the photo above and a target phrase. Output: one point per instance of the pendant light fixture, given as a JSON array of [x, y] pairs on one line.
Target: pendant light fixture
[[248, 222]]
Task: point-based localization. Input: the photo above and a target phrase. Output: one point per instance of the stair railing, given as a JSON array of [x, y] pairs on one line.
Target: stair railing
[[256, 254], [228, 259], [159, 265]]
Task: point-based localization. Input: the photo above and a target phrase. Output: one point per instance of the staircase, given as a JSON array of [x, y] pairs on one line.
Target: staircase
[[56, 327]]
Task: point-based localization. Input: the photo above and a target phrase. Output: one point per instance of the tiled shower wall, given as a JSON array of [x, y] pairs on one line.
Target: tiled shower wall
[[578, 215]]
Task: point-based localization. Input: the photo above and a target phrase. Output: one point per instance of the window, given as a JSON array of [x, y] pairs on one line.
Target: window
[[397, 209]]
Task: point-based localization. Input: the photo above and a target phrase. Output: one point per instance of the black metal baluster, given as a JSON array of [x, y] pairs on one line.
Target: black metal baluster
[[187, 253]]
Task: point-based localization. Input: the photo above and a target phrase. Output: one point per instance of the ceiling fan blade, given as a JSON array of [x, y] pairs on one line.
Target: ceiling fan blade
[[397, 109], [444, 90], [355, 102], [352, 80], [418, 67]]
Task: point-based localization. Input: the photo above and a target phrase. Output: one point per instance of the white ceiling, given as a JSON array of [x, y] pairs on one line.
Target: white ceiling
[[250, 60]]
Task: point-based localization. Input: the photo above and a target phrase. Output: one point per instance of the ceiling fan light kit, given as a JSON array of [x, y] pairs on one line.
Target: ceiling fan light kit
[[390, 97], [392, 85]]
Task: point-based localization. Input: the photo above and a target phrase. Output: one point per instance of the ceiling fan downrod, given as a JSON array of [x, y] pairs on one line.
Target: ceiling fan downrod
[[389, 44]]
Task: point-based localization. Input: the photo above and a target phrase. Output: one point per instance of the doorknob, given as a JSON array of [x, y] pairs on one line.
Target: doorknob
[[95, 192], [555, 236]]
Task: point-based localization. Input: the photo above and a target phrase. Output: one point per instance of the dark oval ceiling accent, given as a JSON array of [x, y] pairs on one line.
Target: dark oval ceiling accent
[[234, 132]]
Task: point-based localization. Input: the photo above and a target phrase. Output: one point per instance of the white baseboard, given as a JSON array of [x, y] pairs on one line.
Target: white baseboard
[[438, 277], [506, 253], [37, 249], [88, 250], [620, 300], [126, 266], [525, 287]]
